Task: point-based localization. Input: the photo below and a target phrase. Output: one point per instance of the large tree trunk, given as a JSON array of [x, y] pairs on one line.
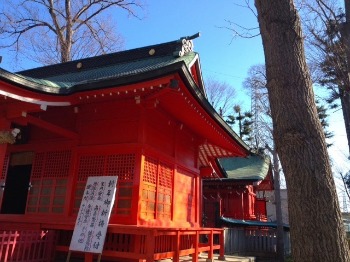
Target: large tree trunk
[[345, 94], [317, 232], [277, 185], [345, 105]]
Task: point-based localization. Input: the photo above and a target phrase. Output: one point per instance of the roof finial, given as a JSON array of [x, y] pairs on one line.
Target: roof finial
[[193, 36], [186, 45]]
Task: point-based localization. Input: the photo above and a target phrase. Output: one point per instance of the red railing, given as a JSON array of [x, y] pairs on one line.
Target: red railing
[[26, 245], [150, 244], [122, 241]]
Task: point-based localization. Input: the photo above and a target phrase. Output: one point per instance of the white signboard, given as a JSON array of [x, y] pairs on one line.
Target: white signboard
[[94, 213]]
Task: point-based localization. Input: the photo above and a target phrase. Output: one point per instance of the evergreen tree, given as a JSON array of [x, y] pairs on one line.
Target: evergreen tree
[[244, 122], [327, 38]]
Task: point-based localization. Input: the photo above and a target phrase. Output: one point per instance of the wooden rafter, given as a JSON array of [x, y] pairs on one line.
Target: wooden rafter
[[50, 127]]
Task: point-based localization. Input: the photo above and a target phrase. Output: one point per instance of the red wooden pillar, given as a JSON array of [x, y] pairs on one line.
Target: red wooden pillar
[[138, 176], [199, 187], [176, 247], [196, 246], [137, 188], [199, 201], [211, 250], [88, 257], [150, 245], [249, 202], [72, 180]]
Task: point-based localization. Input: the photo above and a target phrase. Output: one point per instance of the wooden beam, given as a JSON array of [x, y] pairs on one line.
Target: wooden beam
[[50, 127], [14, 110]]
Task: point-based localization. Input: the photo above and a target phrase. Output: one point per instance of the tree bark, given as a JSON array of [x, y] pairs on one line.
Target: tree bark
[[279, 218], [317, 232], [345, 94], [345, 105]]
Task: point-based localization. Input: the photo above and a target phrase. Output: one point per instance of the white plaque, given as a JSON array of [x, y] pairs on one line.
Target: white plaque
[[94, 213]]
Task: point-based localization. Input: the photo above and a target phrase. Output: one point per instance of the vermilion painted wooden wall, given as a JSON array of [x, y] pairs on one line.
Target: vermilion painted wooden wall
[[153, 156]]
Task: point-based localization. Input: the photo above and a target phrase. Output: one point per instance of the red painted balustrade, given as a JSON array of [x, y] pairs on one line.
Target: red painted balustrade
[[50, 242]]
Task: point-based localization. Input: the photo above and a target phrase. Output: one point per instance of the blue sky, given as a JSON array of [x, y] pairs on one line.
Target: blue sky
[[222, 57]]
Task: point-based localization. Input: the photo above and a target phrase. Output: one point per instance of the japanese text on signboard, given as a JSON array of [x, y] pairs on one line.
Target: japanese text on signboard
[[94, 213]]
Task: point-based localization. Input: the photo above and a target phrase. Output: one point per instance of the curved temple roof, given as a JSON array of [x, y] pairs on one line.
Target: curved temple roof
[[252, 168], [251, 223], [113, 71], [79, 75]]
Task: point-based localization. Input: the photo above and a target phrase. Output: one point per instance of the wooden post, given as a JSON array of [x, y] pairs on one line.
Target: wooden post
[[211, 250], [150, 245], [222, 246], [196, 245], [88, 257], [137, 243], [177, 247], [68, 256]]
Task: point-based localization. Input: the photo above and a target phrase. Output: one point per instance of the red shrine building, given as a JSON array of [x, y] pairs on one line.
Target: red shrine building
[[141, 115], [231, 200]]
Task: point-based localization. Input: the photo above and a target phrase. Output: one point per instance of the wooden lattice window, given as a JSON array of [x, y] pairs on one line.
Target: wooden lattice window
[[87, 166], [148, 201], [121, 165], [157, 190], [49, 180], [150, 170], [164, 194]]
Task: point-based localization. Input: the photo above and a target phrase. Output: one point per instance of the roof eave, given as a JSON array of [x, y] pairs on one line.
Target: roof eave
[[178, 67], [17, 80], [197, 93]]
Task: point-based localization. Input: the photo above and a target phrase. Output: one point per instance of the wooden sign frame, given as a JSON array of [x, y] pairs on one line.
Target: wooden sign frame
[[93, 217]]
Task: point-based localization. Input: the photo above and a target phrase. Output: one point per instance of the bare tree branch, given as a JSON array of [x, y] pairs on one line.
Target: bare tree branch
[[239, 30], [242, 31], [79, 27], [220, 95]]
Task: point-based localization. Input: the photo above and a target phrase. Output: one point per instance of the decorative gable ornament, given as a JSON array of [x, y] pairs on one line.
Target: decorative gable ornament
[[186, 45], [185, 48]]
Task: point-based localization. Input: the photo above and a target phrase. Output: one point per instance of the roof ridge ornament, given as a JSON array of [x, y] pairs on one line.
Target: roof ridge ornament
[[186, 45], [192, 36]]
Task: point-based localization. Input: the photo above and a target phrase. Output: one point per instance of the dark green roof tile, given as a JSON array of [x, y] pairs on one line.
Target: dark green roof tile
[[251, 168], [81, 76], [112, 66], [118, 70], [251, 223]]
